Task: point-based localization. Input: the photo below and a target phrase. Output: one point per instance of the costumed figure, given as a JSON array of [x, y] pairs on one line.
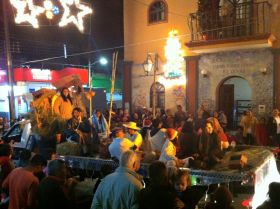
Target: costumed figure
[[133, 135], [63, 105], [100, 124]]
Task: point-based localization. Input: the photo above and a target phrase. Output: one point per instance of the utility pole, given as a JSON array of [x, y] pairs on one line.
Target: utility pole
[[11, 97], [154, 86]]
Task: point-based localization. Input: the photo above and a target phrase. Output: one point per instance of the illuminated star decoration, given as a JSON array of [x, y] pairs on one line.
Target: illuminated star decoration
[[27, 17], [68, 18]]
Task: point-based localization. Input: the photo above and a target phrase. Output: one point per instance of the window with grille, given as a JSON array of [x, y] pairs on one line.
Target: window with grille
[[160, 95], [157, 12]]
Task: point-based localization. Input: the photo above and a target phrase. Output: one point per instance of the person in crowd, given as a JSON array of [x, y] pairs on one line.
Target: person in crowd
[[120, 189], [78, 125], [222, 199], [125, 117], [185, 192], [261, 133], [216, 114], [120, 144], [51, 192], [2, 126], [188, 141], [24, 158], [22, 185], [273, 128], [249, 123], [135, 118], [169, 120], [78, 130], [158, 194], [6, 162], [202, 115], [157, 136], [63, 105], [220, 132], [100, 124], [223, 119], [210, 146], [180, 116], [273, 193], [78, 98], [169, 151], [133, 135]]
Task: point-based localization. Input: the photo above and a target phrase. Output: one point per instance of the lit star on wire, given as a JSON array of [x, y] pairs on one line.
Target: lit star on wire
[[68, 18], [27, 17]]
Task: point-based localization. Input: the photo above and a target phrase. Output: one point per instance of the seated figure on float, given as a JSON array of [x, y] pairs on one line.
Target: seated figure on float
[[210, 152], [120, 144], [168, 151]]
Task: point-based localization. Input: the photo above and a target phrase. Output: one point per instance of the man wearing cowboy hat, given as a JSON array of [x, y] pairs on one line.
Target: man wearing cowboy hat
[[133, 134], [120, 144]]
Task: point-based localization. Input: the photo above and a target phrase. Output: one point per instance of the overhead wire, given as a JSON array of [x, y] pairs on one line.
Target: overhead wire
[[131, 45]]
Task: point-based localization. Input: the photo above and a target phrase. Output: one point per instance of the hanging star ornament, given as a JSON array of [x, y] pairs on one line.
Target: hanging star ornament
[[31, 16], [77, 20]]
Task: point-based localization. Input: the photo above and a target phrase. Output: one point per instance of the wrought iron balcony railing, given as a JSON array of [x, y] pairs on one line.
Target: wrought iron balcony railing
[[242, 20]]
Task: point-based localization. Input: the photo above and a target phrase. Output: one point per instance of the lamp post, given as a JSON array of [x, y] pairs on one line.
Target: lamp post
[[9, 63], [102, 61], [150, 66]]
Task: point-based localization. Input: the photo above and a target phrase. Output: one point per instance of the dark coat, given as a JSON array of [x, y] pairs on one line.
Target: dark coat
[[210, 148], [157, 197], [51, 194], [271, 126], [188, 145]]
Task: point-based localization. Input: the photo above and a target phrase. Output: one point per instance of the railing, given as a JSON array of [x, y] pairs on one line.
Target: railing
[[234, 21]]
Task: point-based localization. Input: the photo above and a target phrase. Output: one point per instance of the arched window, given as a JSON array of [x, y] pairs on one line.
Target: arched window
[[160, 95], [157, 12]]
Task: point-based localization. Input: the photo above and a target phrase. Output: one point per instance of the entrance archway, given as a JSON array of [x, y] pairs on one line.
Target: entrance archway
[[234, 96]]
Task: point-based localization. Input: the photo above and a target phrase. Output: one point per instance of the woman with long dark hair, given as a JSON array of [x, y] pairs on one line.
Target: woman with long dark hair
[[63, 105]]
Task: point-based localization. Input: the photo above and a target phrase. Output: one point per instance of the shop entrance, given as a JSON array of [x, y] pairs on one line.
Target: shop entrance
[[234, 97]]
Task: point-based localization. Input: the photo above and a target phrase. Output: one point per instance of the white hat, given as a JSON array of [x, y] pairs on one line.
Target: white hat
[[131, 125]]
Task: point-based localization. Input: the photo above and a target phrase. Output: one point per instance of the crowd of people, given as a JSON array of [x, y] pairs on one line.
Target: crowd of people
[[169, 142]]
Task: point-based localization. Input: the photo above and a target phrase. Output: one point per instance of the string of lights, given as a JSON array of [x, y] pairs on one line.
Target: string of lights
[[49, 9]]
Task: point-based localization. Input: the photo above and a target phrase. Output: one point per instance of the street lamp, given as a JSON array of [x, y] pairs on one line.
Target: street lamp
[[102, 61], [150, 66]]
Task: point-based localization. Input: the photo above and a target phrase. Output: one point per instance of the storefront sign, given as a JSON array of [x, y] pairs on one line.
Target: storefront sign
[[41, 74], [47, 75]]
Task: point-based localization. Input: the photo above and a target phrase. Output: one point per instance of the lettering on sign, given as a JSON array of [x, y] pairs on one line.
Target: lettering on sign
[[2, 75], [41, 74]]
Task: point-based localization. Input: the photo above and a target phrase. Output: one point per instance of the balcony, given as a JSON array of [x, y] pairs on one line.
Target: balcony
[[242, 22]]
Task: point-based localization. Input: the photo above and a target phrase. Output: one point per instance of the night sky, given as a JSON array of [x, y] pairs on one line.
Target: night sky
[[47, 41]]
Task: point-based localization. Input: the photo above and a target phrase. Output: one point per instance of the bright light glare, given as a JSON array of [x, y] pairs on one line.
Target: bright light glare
[[264, 176], [48, 5], [103, 61]]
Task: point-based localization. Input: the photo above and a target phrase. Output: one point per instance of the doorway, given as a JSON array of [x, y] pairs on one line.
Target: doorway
[[234, 97]]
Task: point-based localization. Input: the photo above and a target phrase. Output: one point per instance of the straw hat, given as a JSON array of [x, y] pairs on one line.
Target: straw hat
[[131, 125]]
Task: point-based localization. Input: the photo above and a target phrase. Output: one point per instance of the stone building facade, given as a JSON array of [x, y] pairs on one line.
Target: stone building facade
[[246, 64]]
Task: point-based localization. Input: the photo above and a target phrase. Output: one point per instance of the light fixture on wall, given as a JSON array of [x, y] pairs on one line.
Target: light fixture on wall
[[149, 65], [204, 73], [263, 70]]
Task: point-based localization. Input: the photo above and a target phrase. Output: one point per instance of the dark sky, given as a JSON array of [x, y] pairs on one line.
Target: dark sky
[[47, 41]]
